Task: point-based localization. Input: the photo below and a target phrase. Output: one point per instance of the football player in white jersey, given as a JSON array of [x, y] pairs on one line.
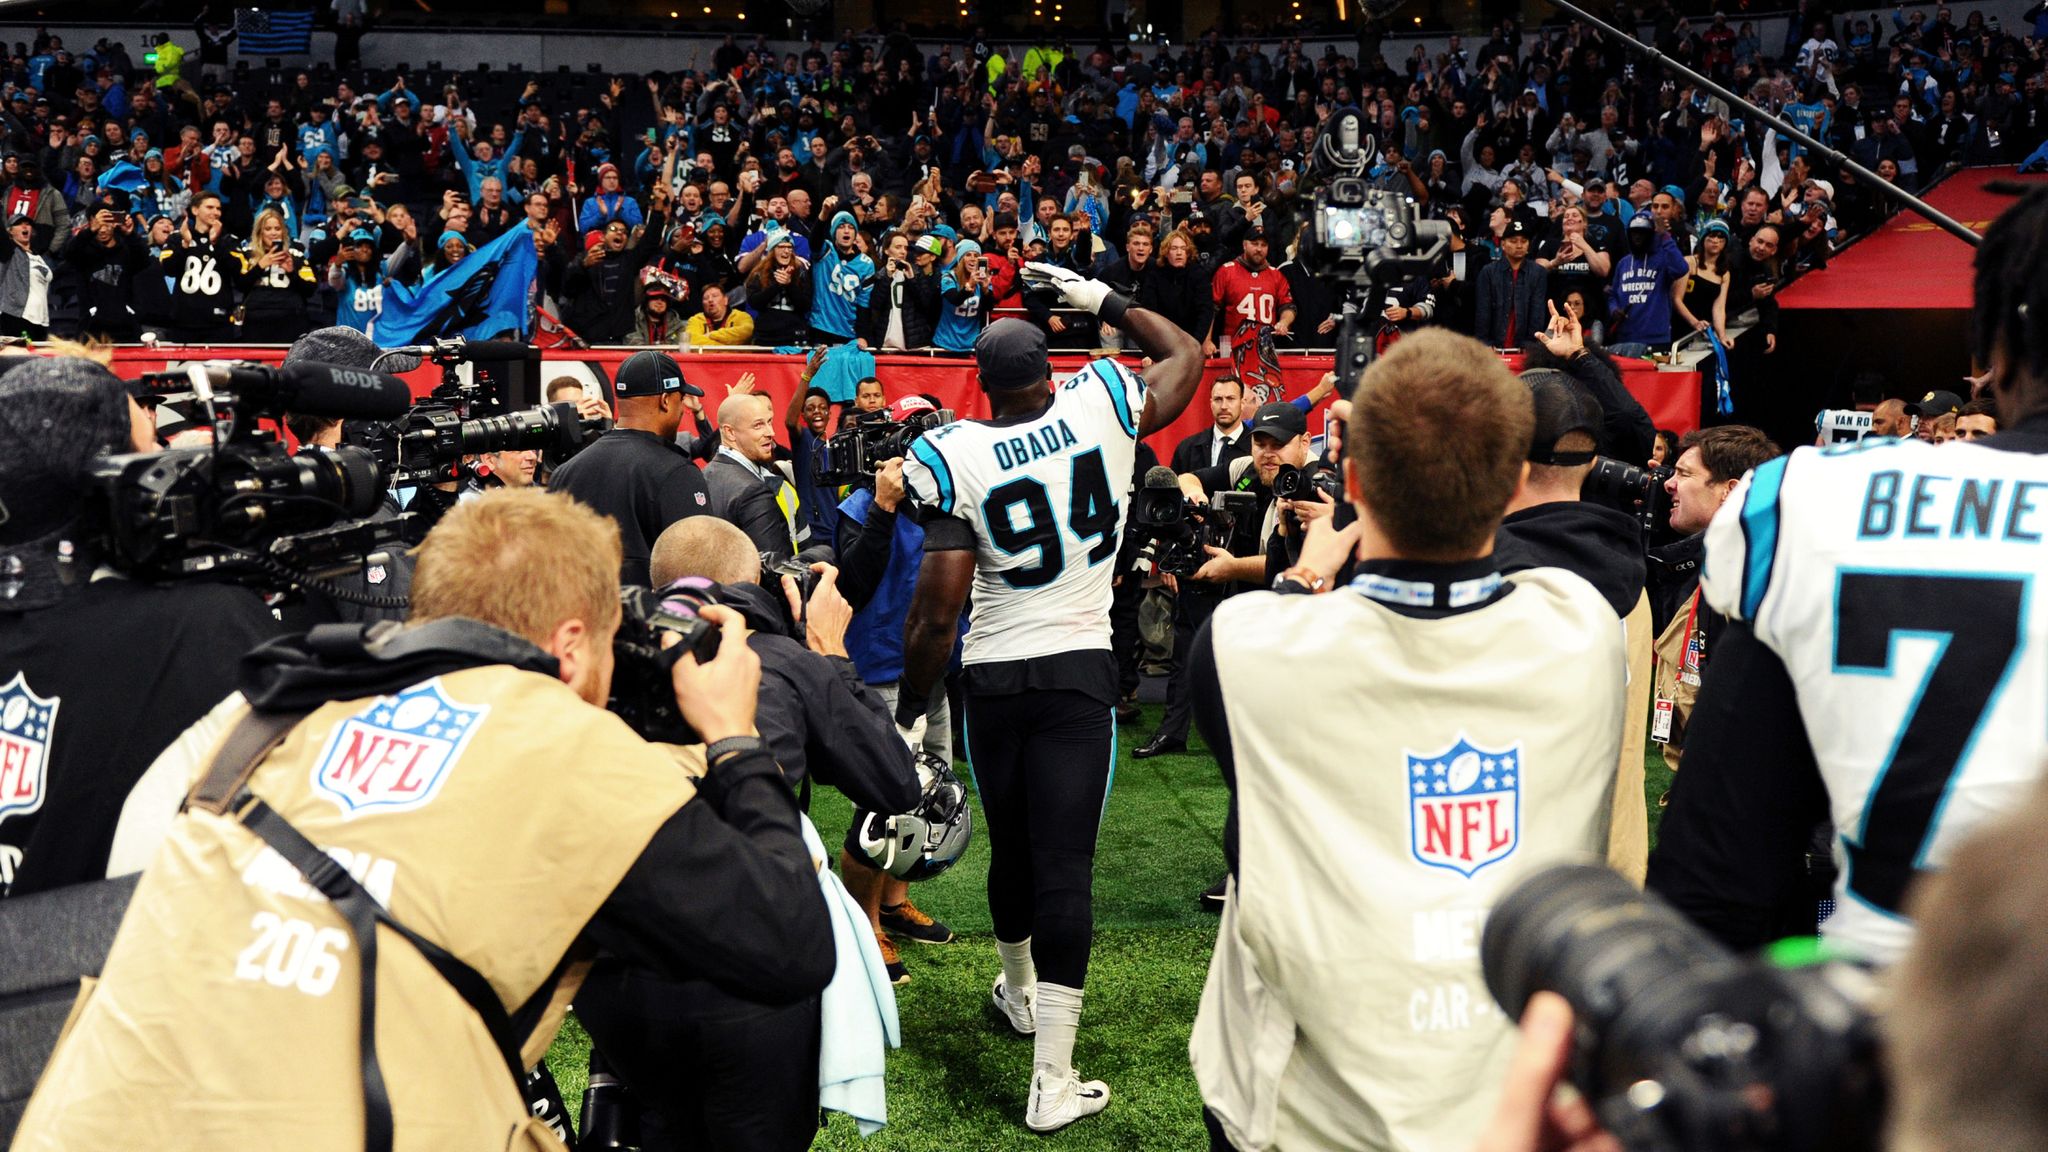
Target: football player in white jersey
[[1886, 664], [1028, 508]]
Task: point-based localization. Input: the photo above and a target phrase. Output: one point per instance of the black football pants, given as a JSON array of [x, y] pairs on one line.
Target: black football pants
[[1042, 761]]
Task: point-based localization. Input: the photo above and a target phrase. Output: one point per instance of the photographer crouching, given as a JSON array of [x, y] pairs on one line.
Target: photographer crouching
[[98, 672], [711, 1065], [456, 781]]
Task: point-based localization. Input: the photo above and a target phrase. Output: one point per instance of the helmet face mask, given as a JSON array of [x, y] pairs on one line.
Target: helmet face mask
[[920, 844]]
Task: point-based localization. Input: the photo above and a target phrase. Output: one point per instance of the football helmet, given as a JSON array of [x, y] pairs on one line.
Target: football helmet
[[924, 842]]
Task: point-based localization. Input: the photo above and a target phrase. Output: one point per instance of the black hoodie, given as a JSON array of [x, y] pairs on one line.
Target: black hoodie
[[1602, 544]]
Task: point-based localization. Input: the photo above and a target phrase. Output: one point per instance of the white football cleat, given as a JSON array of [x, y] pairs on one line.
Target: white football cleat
[[1019, 1012], [1058, 1103]]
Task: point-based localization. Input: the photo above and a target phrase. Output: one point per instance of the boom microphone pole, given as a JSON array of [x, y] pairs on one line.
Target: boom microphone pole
[[1375, 9]]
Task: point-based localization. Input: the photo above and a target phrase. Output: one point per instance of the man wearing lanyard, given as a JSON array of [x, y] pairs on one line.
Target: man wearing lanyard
[[1710, 461]]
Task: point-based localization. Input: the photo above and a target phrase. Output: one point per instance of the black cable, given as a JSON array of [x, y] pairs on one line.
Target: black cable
[[271, 566]]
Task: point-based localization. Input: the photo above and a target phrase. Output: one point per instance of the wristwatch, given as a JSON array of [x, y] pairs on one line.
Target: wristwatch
[[1307, 578]]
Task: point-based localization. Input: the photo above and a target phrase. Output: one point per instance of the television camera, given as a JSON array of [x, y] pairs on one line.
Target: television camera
[[856, 452], [1180, 530]]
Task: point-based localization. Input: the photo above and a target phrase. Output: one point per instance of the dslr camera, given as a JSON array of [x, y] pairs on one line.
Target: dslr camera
[[1292, 483], [856, 452], [1683, 1046], [1636, 491], [642, 693]]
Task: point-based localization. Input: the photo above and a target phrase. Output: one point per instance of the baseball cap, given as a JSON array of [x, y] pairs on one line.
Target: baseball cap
[[360, 236], [1939, 402], [652, 373], [1516, 227], [1562, 407], [1010, 354], [1280, 420], [1641, 222], [904, 409]]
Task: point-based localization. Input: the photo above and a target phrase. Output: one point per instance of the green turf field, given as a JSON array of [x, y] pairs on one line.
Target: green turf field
[[960, 1080]]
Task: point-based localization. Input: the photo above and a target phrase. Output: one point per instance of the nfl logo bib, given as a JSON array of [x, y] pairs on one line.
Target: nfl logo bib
[[26, 722], [1464, 805], [395, 754]]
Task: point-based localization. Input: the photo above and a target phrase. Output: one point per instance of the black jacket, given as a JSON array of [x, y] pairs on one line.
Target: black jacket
[[640, 481], [748, 502], [1195, 448], [81, 654], [1602, 544], [1182, 295], [919, 302], [817, 716]]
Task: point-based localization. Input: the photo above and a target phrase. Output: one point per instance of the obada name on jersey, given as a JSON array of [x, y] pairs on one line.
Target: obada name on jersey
[[1930, 507], [1035, 444]]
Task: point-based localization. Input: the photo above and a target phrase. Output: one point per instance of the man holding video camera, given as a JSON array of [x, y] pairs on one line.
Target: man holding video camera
[[1279, 440], [80, 644], [457, 781], [1465, 732]]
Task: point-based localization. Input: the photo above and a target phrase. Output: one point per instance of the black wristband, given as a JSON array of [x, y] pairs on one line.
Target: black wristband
[[732, 746], [910, 708], [1113, 308]]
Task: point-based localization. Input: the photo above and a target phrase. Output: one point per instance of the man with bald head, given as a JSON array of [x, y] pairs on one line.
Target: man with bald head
[[1891, 419], [745, 488]]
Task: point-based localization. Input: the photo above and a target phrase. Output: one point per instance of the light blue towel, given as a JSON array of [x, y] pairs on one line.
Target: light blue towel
[[858, 1009], [844, 366]]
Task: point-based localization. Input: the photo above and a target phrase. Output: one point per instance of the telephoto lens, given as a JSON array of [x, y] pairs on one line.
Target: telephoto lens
[[1681, 1045]]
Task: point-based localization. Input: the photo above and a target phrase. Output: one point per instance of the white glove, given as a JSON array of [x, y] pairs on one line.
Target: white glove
[[1078, 290], [913, 735]]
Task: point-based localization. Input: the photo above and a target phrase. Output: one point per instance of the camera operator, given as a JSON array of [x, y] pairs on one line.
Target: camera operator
[[1710, 462], [634, 473], [1551, 525], [881, 544], [98, 673], [1448, 679], [716, 1067], [1279, 436], [476, 736]]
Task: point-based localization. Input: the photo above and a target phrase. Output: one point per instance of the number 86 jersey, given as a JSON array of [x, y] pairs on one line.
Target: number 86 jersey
[[1901, 586], [1044, 497]]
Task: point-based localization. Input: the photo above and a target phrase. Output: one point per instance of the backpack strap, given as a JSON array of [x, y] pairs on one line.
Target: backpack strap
[[224, 790]]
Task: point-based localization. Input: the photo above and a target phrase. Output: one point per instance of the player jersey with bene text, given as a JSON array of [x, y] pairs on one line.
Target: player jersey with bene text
[[1903, 588], [1044, 497]]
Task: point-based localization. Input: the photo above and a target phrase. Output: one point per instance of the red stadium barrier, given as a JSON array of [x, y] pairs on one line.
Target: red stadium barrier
[[1672, 398]]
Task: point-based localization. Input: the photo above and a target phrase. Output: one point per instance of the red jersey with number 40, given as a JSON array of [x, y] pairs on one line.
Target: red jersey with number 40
[[1247, 297]]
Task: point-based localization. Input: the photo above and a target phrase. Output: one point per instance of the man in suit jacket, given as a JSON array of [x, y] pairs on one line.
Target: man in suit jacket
[[1222, 442], [744, 486]]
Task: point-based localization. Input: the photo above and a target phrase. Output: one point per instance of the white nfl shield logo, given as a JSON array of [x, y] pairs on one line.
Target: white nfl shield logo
[[1464, 805], [396, 752], [376, 574], [26, 722]]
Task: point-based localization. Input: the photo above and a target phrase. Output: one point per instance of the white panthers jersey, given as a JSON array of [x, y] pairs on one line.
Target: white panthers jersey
[[1045, 497], [1897, 582]]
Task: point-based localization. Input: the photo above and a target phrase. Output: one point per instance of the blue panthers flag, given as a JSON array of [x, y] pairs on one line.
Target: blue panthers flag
[[266, 32], [125, 175], [488, 294]]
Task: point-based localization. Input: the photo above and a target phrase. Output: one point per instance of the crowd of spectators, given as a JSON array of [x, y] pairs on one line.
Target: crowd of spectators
[[870, 190]]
